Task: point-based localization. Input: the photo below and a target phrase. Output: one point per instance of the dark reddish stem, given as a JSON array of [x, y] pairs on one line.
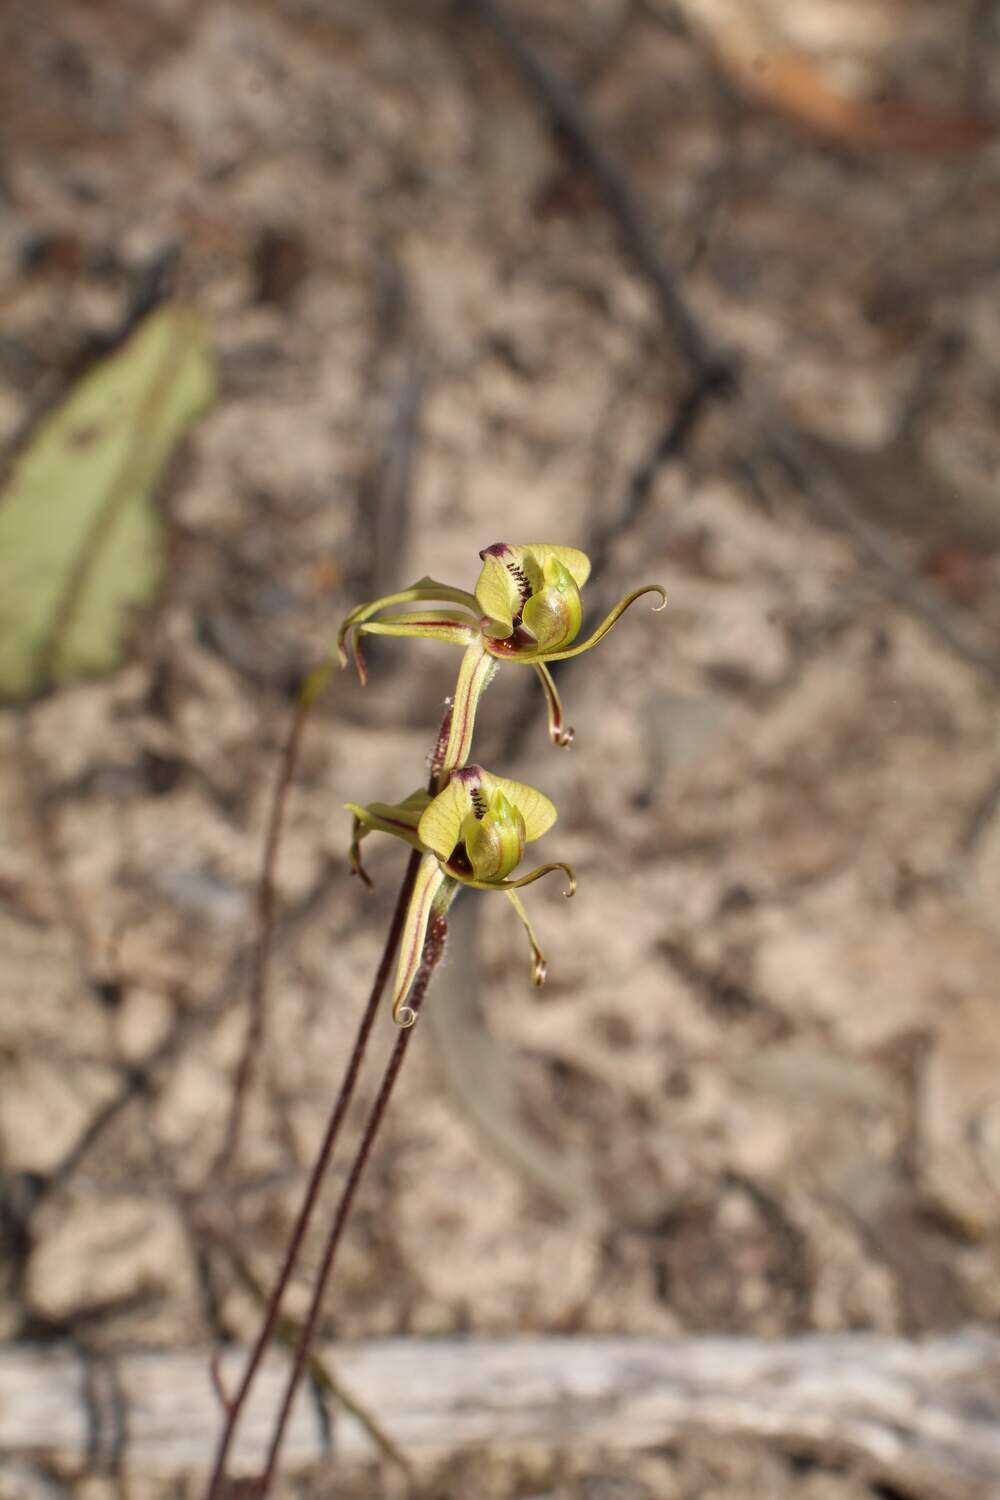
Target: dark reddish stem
[[233, 1405], [265, 932], [237, 1400], [433, 949]]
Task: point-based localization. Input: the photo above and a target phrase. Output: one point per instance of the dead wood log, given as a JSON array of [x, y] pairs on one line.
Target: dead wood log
[[921, 1416]]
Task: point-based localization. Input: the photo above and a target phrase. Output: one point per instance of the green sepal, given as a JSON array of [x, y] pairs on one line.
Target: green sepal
[[515, 885], [436, 624], [430, 887], [539, 966], [474, 676], [401, 819], [608, 621], [424, 588]]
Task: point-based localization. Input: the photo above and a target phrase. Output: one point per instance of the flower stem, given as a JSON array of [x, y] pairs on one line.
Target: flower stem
[[433, 949], [265, 930], [234, 1405]]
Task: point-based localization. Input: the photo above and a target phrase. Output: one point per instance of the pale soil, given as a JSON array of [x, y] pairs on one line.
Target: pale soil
[[760, 1091]]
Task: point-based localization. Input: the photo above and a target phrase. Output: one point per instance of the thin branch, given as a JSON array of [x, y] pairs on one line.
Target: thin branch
[[670, 443], [981, 817], [573, 125], [824, 495], [921, 1417]]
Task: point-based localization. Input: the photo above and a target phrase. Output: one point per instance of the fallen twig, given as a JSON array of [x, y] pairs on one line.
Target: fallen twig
[[921, 1416]]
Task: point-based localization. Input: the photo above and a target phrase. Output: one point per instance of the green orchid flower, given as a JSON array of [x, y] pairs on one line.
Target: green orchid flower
[[526, 608], [471, 834]]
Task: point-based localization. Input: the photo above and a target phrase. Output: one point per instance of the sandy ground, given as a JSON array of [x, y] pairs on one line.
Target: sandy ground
[[759, 1093]]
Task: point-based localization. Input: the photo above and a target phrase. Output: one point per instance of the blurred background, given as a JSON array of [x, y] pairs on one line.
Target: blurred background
[[708, 288]]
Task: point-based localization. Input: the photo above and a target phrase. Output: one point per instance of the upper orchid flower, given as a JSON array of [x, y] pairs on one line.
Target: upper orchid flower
[[473, 833], [526, 608]]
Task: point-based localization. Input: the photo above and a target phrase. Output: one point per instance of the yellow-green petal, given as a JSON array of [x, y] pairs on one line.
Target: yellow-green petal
[[440, 827], [498, 597], [538, 812], [576, 562], [512, 574], [399, 818]]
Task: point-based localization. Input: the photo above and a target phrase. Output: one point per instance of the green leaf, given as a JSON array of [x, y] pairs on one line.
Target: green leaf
[[81, 540]]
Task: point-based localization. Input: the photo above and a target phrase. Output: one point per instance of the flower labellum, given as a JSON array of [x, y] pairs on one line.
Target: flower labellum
[[530, 596], [494, 837]]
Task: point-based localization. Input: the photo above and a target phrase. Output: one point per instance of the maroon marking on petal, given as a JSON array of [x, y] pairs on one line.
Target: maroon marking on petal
[[496, 549], [520, 643], [398, 823], [416, 620], [471, 777]]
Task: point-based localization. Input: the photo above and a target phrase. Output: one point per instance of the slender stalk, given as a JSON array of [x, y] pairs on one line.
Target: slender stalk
[[265, 929], [234, 1405], [433, 949]]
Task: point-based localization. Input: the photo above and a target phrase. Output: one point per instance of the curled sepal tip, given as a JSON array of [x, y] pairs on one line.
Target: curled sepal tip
[[560, 733], [358, 831], [529, 879], [429, 887], [539, 966], [454, 628], [610, 620]]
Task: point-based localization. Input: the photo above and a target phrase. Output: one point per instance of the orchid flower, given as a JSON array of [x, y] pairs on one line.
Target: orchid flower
[[526, 608], [473, 833]]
